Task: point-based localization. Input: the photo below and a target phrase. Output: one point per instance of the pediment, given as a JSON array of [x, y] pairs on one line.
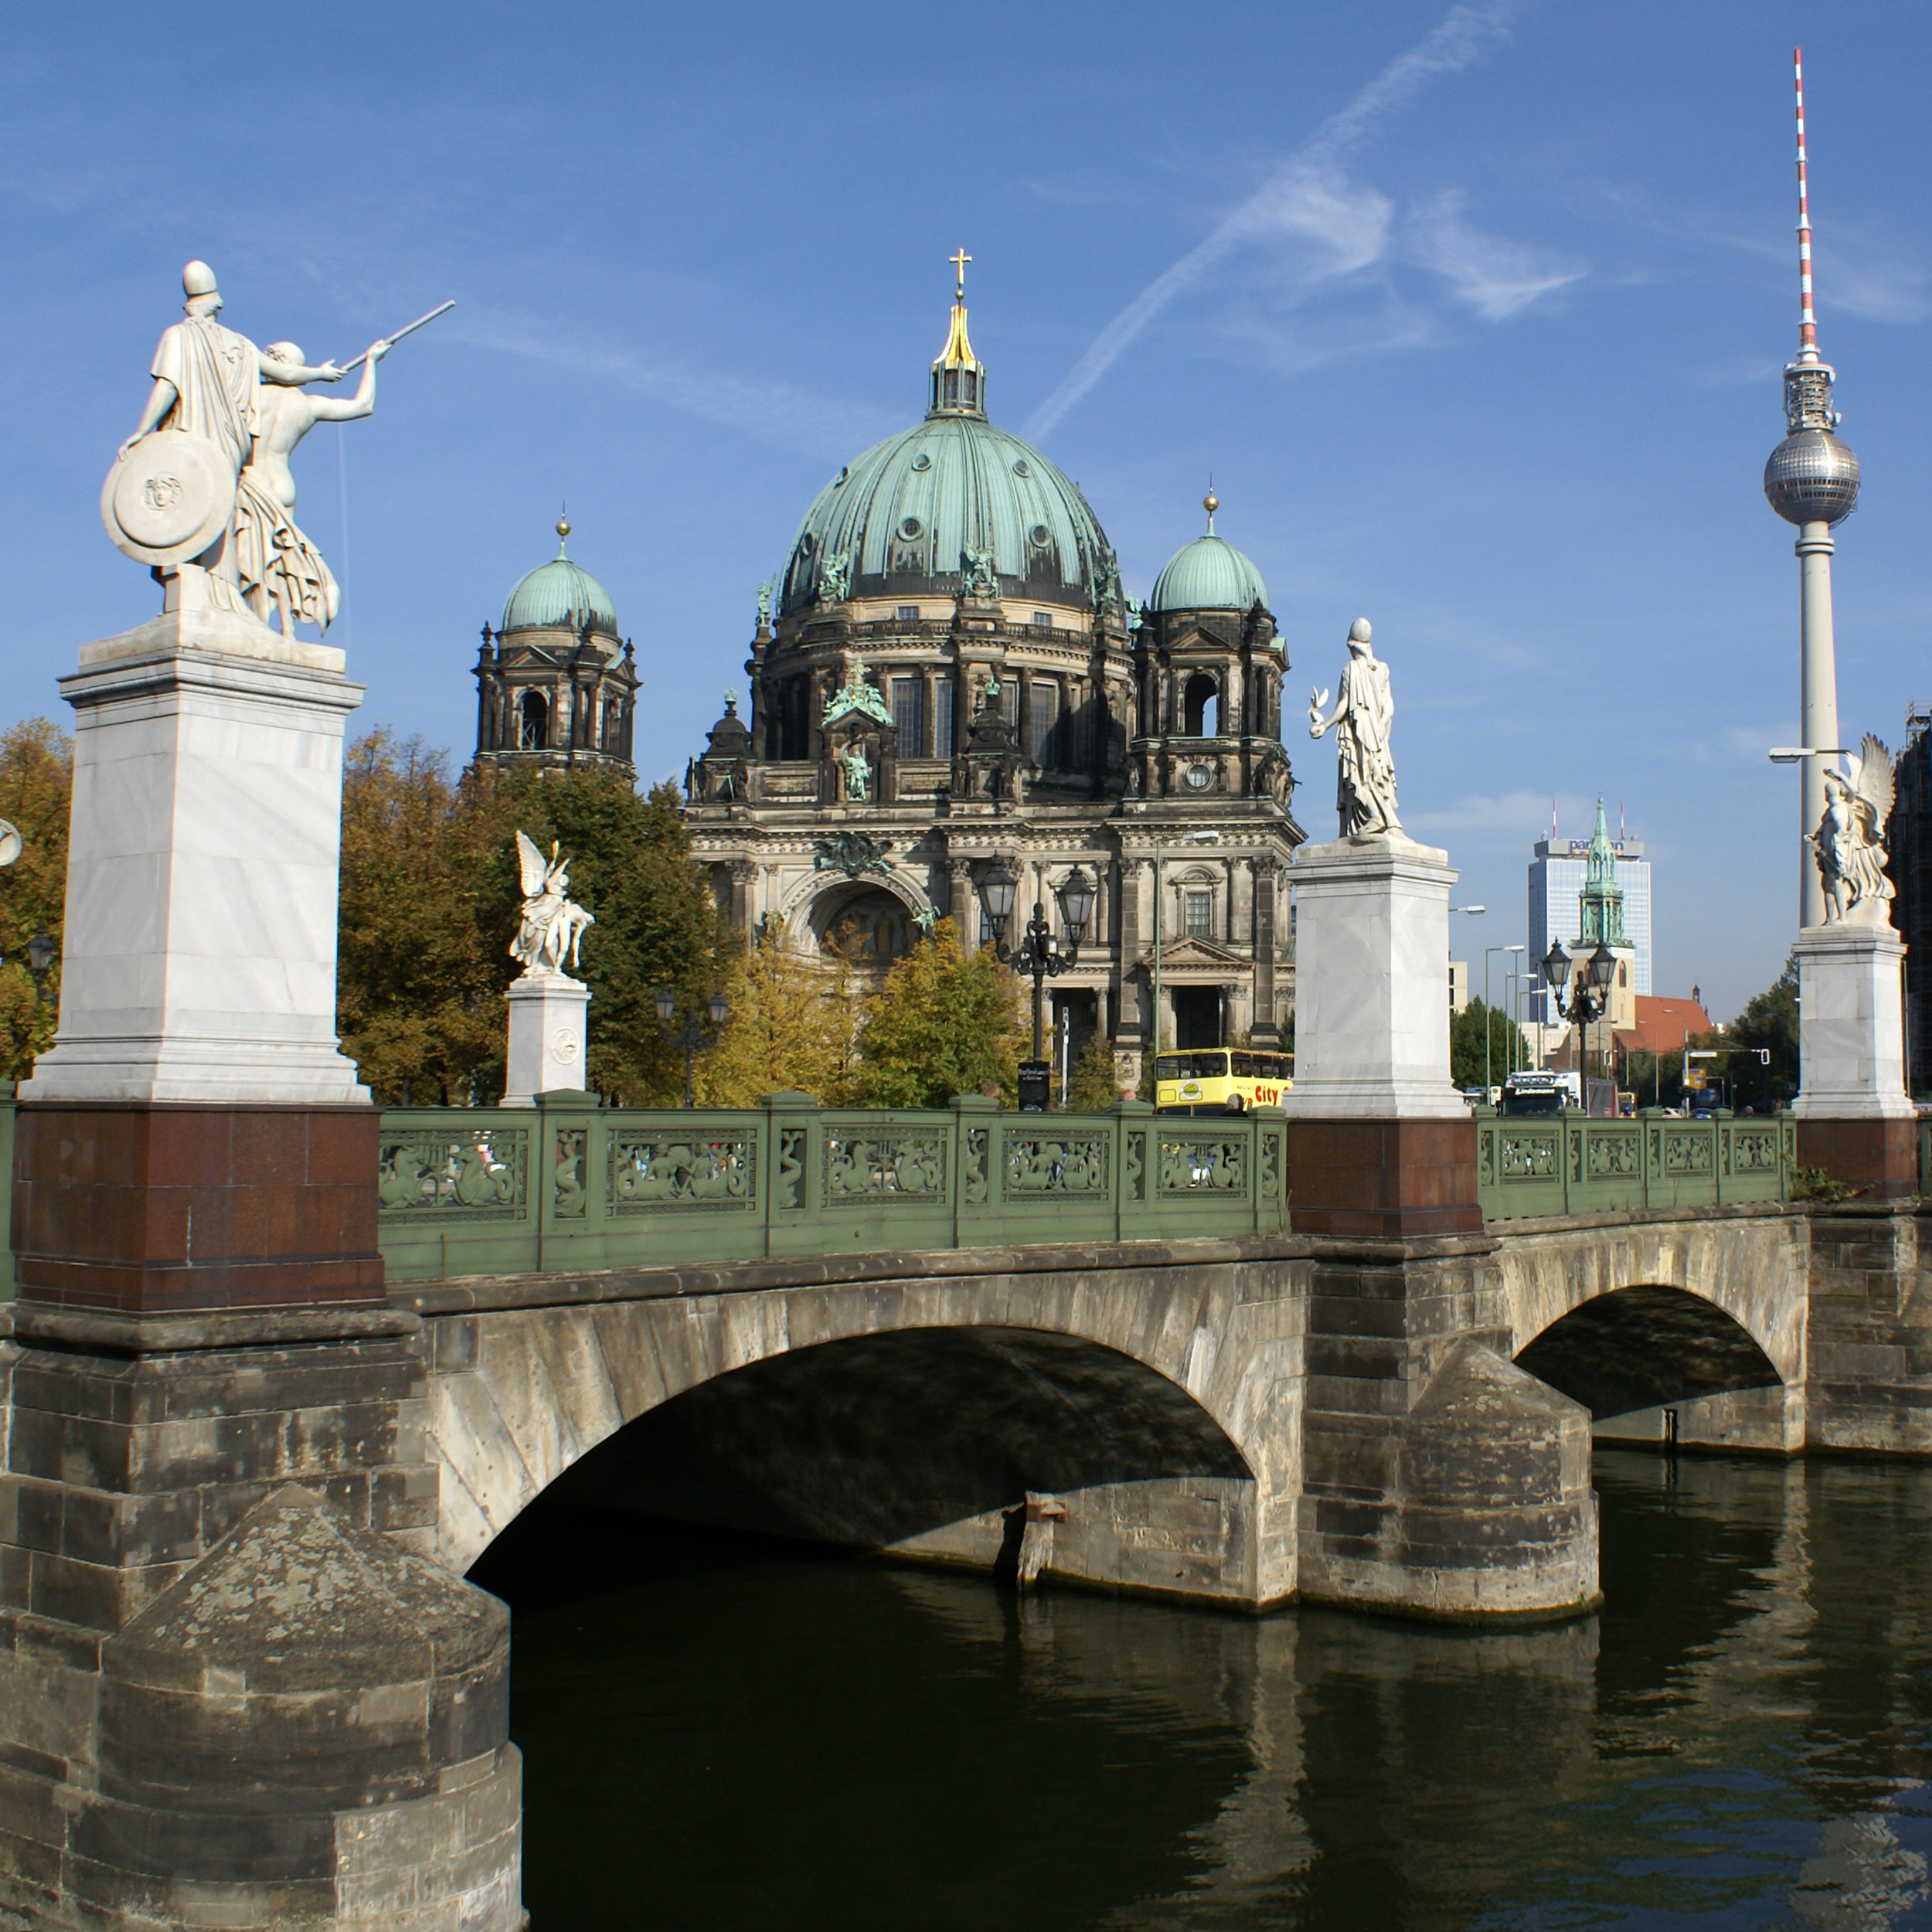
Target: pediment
[[1183, 953]]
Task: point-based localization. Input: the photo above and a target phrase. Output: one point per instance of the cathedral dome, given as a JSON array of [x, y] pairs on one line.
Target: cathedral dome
[[1208, 574], [901, 518], [560, 595]]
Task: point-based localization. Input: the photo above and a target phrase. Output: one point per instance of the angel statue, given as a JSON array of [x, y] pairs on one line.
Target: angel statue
[[551, 925], [1850, 839], [1365, 779]]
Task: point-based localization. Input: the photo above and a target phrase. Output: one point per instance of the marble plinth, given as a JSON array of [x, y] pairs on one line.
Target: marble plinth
[[549, 1019], [1371, 982], [1851, 1033], [199, 962]]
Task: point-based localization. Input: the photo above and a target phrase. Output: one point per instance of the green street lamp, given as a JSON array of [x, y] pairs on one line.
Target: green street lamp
[[693, 1034]]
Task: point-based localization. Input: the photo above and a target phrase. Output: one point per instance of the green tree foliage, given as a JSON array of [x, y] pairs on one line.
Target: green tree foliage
[[36, 776], [941, 1022], [657, 923], [1095, 1086], [1467, 1032], [1769, 1020], [790, 1029], [431, 897], [419, 992]]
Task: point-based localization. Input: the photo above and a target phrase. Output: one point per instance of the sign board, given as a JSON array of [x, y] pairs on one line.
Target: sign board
[[1034, 1077]]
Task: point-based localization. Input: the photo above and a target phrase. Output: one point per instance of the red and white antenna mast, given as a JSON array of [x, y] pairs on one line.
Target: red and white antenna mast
[[1807, 321]]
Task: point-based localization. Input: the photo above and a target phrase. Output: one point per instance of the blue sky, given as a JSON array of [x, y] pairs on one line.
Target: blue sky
[[1475, 315]]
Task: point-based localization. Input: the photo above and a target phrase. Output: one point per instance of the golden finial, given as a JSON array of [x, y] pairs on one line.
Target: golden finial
[[1210, 503], [562, 531], [959, 258]]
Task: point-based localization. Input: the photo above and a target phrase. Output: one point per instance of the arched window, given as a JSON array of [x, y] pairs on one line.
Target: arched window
[[532, 722], [1201, 706]]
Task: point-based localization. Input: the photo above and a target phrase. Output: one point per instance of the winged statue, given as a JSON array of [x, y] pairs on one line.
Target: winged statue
[[1850, 840], [552, 927]]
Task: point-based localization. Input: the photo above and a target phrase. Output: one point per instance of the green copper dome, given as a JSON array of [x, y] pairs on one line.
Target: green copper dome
[[902, 517], [1208, 574], [560, 595]]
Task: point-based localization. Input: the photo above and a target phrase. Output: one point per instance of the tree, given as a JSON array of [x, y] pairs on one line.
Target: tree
[[1468, 1031], [1096, 1085], [36, 778], [657, 922], [790, 1028], [942, 1022], [418, 991], [1769, 1022]]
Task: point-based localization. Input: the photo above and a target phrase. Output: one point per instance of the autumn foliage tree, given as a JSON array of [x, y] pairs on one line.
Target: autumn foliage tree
[[36, 776], [792, 1028], [942, 1022]]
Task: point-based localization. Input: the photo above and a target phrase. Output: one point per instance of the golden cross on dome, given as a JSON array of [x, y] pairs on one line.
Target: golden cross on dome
[[959, 258]]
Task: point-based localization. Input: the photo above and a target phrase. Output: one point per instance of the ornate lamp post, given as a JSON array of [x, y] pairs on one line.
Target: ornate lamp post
[[40, 951], [1588, 997], [692, 1035], [1039, 953]]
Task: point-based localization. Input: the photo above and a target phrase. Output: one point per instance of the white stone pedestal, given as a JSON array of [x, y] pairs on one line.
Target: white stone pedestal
[[1851, 1024], [199, 960], [1372, 981], [549, 1014]]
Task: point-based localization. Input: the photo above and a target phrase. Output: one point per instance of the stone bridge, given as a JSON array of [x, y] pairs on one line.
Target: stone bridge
[[1245, 1419]]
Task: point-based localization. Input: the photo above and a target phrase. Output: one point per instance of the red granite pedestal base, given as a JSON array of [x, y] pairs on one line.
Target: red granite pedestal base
[[1397, 1179], [1879, 1158], [150, 1208]]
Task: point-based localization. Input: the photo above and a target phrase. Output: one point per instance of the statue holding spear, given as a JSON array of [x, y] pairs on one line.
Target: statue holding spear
[[203, 491]]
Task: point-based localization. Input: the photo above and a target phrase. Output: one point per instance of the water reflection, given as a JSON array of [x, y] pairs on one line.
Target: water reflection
[[726, 1734]]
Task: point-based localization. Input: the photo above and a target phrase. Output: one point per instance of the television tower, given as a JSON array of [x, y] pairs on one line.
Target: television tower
[[1812, 480]]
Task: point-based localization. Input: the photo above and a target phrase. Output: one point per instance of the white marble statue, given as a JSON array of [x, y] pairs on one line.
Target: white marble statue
[[279, 569], [1850, 839], [207, 385], [1365, 794], [552, 927]]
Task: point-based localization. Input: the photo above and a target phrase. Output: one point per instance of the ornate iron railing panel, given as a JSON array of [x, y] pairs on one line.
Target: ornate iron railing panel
[[1574, 1165], [570, 1186]]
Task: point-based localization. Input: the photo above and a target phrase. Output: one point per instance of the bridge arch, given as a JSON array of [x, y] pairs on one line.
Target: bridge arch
[[987, 1386], [1637, 1315]]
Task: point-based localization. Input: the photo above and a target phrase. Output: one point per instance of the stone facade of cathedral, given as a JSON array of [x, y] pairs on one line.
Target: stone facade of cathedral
[[946, 678], [950, 677]]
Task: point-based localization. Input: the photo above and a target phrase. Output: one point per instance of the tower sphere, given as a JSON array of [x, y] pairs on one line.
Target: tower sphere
[[1812, 478]]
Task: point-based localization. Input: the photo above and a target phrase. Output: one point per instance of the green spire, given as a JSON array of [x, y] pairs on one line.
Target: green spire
[[1601, 900]]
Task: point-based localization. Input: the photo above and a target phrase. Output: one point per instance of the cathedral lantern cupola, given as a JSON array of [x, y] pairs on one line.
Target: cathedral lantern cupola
[[959, 376], [556, 685], [1208, 664]]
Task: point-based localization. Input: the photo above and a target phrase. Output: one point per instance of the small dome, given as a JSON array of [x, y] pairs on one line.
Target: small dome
[[560, 595], [1812, 478], [1208, 574]]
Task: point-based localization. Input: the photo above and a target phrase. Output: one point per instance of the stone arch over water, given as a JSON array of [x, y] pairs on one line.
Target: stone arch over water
[[914, 1414], [1654, 1313]]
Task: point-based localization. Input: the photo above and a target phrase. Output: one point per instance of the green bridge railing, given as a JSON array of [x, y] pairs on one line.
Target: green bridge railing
[[1572, 1164], [567, 1185]]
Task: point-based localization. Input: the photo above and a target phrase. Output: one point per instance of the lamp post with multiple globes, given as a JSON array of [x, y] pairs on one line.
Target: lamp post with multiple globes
[[1039, 954], [1586, 998]]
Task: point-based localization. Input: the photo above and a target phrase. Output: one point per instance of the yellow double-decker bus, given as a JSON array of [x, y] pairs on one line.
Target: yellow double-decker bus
[[1219, 1079]]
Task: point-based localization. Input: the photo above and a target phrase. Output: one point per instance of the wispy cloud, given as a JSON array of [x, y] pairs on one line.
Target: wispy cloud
[[1309, 197], [772, 410], [1514, 815], [1495, 277]]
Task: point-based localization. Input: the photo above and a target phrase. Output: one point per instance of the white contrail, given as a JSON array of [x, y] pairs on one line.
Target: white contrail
[[1462, 34]]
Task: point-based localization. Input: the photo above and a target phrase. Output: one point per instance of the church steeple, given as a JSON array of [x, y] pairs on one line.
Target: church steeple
[[959, 377], [1600, 903]]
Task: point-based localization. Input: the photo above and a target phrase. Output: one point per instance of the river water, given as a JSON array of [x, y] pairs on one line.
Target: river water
[[734, 1734]]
